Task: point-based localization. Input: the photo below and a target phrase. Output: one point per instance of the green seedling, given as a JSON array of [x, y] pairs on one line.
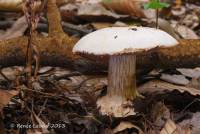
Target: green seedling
[[156, 4]]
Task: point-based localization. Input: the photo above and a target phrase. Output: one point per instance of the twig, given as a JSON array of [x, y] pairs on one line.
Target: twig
[[86, 117], [36, 57], [42, 93], [30, 17], [48, 94], [157, 15], [43, 107], [4, 76], [195, 100]]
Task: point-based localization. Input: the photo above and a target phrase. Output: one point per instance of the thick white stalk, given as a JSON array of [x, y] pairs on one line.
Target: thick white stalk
[[122, 76]]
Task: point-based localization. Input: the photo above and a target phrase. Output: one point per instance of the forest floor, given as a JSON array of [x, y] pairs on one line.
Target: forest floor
[[62, 100]]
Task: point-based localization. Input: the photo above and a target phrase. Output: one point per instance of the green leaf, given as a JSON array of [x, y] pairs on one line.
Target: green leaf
[[107, 1], [155, 4]]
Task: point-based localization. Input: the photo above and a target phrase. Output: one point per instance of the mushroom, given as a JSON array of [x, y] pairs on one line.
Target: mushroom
[[120, 44]]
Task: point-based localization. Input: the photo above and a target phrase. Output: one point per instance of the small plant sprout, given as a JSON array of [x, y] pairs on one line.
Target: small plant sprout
[[156, 4]]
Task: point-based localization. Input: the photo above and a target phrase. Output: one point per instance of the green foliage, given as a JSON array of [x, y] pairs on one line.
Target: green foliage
[[107, 1], [155, 4]]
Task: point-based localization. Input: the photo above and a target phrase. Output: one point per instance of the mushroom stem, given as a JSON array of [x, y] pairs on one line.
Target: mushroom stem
[[122, 76]]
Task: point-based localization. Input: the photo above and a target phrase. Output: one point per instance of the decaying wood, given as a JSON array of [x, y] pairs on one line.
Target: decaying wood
[[56, 50]]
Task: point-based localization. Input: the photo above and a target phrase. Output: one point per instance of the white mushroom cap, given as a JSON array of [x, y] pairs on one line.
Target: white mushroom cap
[[115, 40]]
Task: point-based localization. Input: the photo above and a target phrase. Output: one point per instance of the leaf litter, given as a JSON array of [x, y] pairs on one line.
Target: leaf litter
[[68, 99]]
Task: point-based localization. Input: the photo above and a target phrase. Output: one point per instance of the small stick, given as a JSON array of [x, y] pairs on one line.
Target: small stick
[[43, 107], [4, 76]]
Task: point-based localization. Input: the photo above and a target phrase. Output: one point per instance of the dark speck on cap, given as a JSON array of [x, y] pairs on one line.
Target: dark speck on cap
[[115, 36], [134, 29]]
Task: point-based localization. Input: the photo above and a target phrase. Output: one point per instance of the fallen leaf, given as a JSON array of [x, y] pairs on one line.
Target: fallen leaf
[[194, 83], [10, 72], [192, 122], [192, 73], [16, 30], [162, 87], [124, 125], [100, 25], [175, 79], [6, 95], [130, 7], [178, 11], [178, 3], [68, 13], [171, 128], [96, 12], [191, 20], [159, 114], [186, 32]]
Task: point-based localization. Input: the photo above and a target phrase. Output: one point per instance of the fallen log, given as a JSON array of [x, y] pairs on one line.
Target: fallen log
[[56, 50]]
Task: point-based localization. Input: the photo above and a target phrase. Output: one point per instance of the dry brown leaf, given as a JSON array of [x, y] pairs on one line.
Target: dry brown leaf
[[178, 3], [16, 30], [194, 83], [10, 72], [6, 95], [130, 7], [124, 125], [92, 11], [87, 10], [171, 128], [100, 25], [193, 122], [192, 73], [175, 79], [162, 87], [68, 13], [159, 114], [191, 20], [178, 11], [186, 32]]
